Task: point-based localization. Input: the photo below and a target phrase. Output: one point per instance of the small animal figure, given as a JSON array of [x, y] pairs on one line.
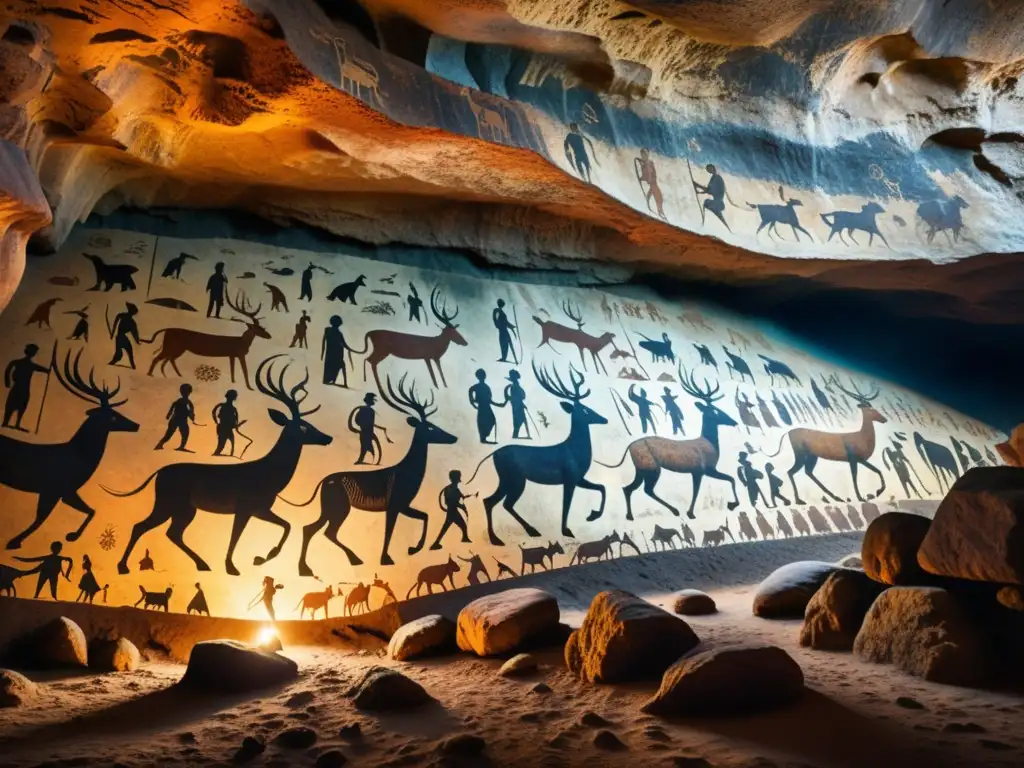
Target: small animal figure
[[621, 354], [63, 280], [737, 365], [772, 215], [595, 550], [476, 570], [434, 575], [767, 532], [8, 576], [315, 601], [146, 563], [346, 292], [198, 603], [776, 368], [359, 597], [282, 271], [864, 220], [783, 525], [503, 570], [247, 276], [109, 275], [695, 320], [818, 521], [801, 524], [688, 537], [41, 314], [389, 596], [737, 339], [943, 216], [628, 542], [746, 529], [173, 267], [706, 358], [661, 351], [534, 556], [156, 600], [716, 536], [277, 298], [664, 536]]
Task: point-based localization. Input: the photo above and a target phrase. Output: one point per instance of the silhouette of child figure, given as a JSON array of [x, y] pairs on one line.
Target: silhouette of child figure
[[266, 596], [451, 500], [225, 416], [775, 485], [179, 415], [198, 603], [50, 567], [748, 476], [88, 587], [299, 338]]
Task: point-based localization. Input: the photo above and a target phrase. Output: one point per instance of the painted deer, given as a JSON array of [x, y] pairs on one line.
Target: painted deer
[[697, 457], [410, 346], [855, 448], [245, 491], [177, 341], [584, 342], [565, 463], [354, 74], [390, 490], [488, 118], [57, 471]]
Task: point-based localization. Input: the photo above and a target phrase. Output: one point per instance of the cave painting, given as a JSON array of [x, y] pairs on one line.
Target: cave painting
[[494, 467]]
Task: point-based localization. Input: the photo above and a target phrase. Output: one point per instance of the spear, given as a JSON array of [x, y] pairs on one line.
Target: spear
[[515, 322], [46, 386], [696, 195]]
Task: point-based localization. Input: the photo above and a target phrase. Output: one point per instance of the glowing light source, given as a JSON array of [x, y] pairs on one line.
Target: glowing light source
[[268, 639]]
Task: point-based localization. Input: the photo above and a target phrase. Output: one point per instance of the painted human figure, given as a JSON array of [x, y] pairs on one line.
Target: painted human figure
[[647, 174], [673, 411], [18, 380], [266, 595], [774, 486], [415, 304], [452, 501], [332, 352], [125, 331], [643, 407], [893, 456], [306, 290], [515, 396], [88, 587], [225, 416], [505, 330], [748, 476], [198, 602], [81, 330], [363, 421], [746, 409], [217, 287], [178, 417], [50, 567], [715, 190], [299, 337], [575, 147], [480, 398]]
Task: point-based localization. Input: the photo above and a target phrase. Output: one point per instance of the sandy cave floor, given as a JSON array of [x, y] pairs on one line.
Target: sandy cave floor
[[848, 717]]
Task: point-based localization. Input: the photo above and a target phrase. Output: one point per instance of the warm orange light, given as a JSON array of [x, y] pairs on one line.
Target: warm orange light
[[268, 639]]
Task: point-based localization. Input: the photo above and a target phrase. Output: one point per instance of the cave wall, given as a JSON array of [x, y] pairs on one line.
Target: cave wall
[[61, 292]]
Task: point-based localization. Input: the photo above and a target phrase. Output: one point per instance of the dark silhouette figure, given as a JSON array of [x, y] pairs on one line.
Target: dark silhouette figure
[[476, 570], [41, 314], [8, 575], [124, 331], [18, 380], [346, 292], [198, 604], [363, 422], [266, 596], [174, 266], [306, 290], [647, 173], [217, 287], [299, 338], [452, 501], [894, 459], [539, 556], [88, 587], [146, 563], [505, 331], [673, 411], [661, 351], [864, 220], [181, 412], [277, 298], [225, 417], [643, 407], [697, 457], [435, 576], [781, 409], [155, 600], [178, 341], [390, 490], [939, 460], [596, 550], [81, 330], [480, 398], [332, 352], [575, 146], [503, 570], [415, 304], [666, 537], [716, 192], [828, 412], [774, 486], [109, 275], [942, 216], [565, 464], [748, 475], [746, 411], [244, 491], [773, 214], [515, 397], [706, 358], [766, 413], [50, 567], [737, 365], [777, 368]]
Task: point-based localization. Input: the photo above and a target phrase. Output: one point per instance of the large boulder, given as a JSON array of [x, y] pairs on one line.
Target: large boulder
[[227, 666], [926, 632], [728, 680], [978, 531], [836, 611], [60, 643], [16, 689], [625, 638], [693, 602], [381, 689], [422, 637], [500, 623], [119, 655], [889, 549], [786, 592]]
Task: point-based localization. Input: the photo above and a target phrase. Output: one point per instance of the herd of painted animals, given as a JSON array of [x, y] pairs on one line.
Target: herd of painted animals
[[810, 412]]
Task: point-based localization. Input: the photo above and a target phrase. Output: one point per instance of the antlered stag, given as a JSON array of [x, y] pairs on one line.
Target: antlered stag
[[552, 331]]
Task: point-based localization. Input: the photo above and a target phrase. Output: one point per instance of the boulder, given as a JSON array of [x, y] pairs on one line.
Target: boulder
[[60, 643], [978, 531], [786, 592], [228, 666], [119, 655], [16, 689], [889, 549], [625, 638], [728, 680], [693, 602], [500, 623], [300, 737], [422, 637], [836, 611], [520, 664], [1011, 597], [926, 632], [381, 689]]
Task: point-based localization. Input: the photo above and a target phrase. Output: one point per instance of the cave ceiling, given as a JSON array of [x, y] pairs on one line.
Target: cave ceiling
[[774, 150]]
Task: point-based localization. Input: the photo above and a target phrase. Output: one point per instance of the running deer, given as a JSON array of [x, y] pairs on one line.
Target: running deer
[[552, 331], [855, 448], [411, 346], [57, 471], [390, 490], [488, 118], [177, 341], [697, 457], [565, 464], [245, 491]]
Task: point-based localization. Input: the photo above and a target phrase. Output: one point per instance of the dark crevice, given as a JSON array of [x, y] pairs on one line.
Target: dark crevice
[[404, 38], [985, 165], [958, 138], [19, 35], [629, 15], [121, 36], [354, 14], [871, 78]]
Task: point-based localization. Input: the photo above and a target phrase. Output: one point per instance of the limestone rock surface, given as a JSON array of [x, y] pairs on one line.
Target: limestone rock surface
[[381, 689], [889, 549], [787, 590], [423, 636], [834, 615], [16, 689], [228, 666], [60, 643], [693, 602], [498, 623]]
